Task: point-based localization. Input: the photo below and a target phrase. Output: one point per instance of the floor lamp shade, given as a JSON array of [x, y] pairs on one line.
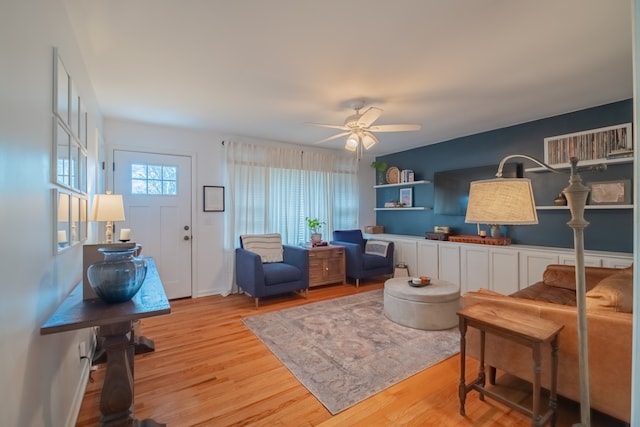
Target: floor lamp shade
[[504, 201]]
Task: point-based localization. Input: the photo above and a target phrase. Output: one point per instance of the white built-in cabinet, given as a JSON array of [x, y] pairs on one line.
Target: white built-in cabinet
[[503, 269]]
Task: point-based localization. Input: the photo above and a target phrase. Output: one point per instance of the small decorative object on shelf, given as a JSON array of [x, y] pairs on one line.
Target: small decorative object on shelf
[[119, 276], [393, 175], [560, 200]]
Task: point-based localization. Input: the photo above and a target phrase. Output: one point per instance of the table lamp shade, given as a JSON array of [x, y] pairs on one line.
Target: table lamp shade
[[504, 201], [107, 207]]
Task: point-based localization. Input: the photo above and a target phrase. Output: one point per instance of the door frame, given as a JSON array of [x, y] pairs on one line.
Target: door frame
[[110, 179]]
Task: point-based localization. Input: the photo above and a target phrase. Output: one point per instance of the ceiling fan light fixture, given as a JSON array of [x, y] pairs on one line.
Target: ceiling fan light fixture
[[352, 142], [369, 140]]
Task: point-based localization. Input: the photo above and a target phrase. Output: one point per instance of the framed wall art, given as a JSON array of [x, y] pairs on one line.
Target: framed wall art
[[616, 192], [591, 145], [406, 197], [213, 198]]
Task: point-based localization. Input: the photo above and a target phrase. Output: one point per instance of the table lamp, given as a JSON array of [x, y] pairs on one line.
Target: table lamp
[[511, 202], [107, 207]]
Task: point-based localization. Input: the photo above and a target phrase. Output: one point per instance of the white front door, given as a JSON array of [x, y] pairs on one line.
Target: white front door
[[156, 189]]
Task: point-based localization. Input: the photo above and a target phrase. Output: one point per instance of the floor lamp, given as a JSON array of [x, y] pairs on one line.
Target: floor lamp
[[510, 201]]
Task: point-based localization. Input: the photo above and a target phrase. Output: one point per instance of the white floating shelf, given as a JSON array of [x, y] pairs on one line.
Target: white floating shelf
[[401, 184], [416, 208], [595, 207], [583, 163]]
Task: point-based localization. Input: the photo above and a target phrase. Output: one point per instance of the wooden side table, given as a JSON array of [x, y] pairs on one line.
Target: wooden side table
[[115, 325], [326, 265], [521, 328]]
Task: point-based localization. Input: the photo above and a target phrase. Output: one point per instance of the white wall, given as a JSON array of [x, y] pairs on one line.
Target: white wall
[[40, 376], [208, 156]]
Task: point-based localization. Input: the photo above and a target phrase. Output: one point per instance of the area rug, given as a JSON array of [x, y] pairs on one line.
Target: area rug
[[344, 350]]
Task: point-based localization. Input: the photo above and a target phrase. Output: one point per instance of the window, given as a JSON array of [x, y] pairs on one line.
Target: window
[[154, 179]]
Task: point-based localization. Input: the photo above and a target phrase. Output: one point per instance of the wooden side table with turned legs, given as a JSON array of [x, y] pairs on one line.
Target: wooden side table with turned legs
[[522, 328]]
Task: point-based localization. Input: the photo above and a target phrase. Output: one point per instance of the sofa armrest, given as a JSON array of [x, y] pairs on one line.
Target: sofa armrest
[[249, 272]]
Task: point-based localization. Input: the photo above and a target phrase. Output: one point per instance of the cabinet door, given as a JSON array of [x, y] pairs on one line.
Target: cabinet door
[[533, 264], [428, 259], [449, 263], [617, 262], [474, 268], [503, 270], [405, 251], [589, 261]]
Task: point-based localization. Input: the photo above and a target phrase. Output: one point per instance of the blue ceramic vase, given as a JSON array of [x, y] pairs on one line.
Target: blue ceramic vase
[[119, 276]]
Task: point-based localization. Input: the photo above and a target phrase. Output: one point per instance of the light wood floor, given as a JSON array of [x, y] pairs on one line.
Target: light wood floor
[[209, 370]]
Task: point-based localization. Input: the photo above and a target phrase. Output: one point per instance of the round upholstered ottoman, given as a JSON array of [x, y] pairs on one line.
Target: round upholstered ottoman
[[431, 307]]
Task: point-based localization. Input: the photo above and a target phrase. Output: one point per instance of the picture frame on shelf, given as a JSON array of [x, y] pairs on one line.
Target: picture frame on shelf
[[617, 192], [589, 145], [213, 198], [406, 197]]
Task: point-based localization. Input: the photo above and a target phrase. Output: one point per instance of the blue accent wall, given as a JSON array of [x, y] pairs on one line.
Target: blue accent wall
[[609, 230]]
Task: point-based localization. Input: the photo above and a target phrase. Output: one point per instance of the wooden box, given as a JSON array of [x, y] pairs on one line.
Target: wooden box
[[374, 229]]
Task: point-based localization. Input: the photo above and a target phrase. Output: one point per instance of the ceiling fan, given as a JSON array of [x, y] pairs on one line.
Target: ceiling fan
[[359, 128]]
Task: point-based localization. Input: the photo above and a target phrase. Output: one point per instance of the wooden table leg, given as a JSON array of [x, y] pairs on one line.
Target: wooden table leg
[[481, 372], [537, 369], [553, 400], [462, 387], [116, 400]]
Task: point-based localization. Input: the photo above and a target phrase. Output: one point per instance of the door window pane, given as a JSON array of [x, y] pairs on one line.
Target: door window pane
[[154, 179]]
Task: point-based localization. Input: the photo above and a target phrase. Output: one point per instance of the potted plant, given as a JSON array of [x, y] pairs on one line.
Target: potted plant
[[315, 225], [380, 168]]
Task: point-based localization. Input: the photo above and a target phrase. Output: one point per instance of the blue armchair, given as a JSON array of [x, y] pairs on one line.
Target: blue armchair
[[261, 279], [362, 263]]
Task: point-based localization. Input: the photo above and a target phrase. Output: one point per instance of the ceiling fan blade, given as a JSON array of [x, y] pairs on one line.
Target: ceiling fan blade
[[394, 128], [333, 137], [342, 127], [369, 116]]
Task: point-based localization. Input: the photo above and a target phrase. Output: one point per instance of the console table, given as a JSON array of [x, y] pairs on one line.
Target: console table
[[115, 327], [522, 328]]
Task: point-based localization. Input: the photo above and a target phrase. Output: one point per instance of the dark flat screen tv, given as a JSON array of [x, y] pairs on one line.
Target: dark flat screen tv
[[451, 188]]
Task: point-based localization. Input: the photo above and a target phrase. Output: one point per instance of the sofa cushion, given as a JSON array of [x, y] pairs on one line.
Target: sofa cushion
[[542, 292], [268, 246], [613, 293]]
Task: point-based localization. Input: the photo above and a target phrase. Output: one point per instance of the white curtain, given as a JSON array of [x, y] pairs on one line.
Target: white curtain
[[272, 189]]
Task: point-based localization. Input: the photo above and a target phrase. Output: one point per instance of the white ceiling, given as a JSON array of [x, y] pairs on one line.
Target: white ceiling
[[266, 69]]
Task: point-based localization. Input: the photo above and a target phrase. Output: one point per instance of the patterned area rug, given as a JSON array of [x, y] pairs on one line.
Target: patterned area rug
[[344, 350]]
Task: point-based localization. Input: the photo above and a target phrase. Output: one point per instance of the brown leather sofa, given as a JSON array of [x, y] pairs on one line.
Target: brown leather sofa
[[609, 334]]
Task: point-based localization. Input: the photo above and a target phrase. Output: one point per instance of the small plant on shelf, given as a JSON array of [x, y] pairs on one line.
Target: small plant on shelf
[[380, 168]]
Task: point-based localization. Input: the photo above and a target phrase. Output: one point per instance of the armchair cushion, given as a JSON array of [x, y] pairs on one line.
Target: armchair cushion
[[268, 246], [279, 272], [370, 261]]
